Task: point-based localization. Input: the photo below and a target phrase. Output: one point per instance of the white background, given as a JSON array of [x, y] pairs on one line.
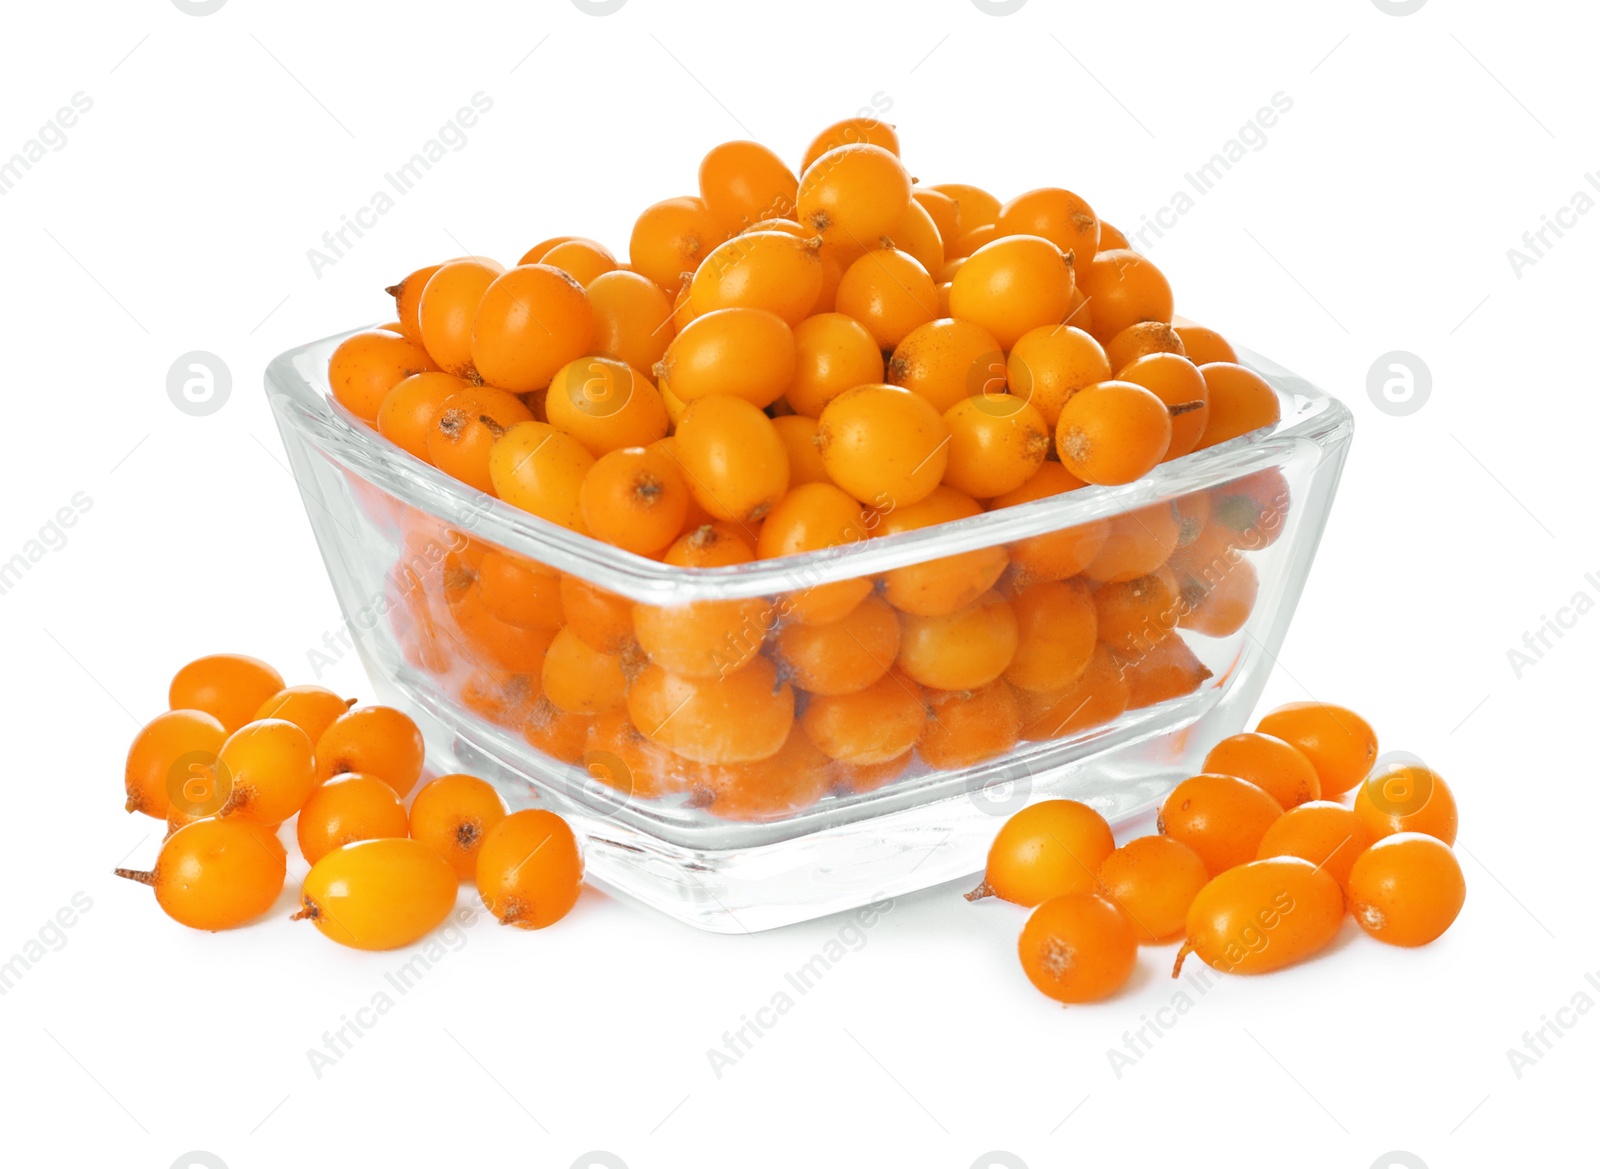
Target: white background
[[1377, 217]]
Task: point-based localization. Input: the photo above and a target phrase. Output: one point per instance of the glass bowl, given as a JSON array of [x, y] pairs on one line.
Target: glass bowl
[[679, 820]]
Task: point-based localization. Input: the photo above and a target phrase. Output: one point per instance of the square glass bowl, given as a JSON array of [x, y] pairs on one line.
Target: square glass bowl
[[749, 846]]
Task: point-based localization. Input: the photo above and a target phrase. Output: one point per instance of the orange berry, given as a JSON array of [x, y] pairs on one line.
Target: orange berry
[[869, 726], [770, 270], [367, 366], [311, 708], [448, 309], [634, 498], [1056, 635], [743, 183], [1327, 834], [560, 734], [412, 407], [1168, 669], [1057, 215], [1204, 346], [408, 300], [843, 656], [1078, 948], [941, 208], [1181, 388], [632, 319], [1132, 616], [734, 460], [452, 814], [966, 727], [466, 429], [1407, 889], [604, 620], [606, 405], [1136, 544], [704, 639], [768, 789], [374, 740], [1153, 880], [799, 435], [1222, 818], [947, 361], [585, 260], [1046, 850], [1123, 288], [811, 517], [1097, 697], [269, 770], [671, 237], [853, 193], [739, 718], [1012, 285], [930, 588], [216, 874], [1053, 555], [579, 679], [997, 442], [529, 870], [345, 809], [531, 321], [229, 687], [1339, 742], [541, 469], [889, 292], [918, 236], [744, 353], [963, 650], [1140, 340], [884, 445], [178, 747], [1113, 432], [833, 353], [1271, 764], [1407, 797], [1111, 237], [848, 131], [1241, 401], [520, 591], [975, 207], [1262, 916], [1050, 364]]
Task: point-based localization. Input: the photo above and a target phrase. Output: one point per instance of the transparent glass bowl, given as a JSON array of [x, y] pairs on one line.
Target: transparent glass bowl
[[403, 544]]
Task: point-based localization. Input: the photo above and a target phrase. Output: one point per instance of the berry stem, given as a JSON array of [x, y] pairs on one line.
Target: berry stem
[[140, 875], [1183, 952], [980, 892]]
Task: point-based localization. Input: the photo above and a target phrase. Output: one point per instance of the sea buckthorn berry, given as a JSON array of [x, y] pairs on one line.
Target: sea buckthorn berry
[[1407, 797], [1136, 544], [930, 588], [481, 637], [1078, 314], [1407, 889], [975, 207], [768, 789], [1123, 288], [1113, 432], [311, 708], [1059, 216], [799, 434], [1111, 237], [1204, 346], [270, 770], [1218, 586], [1252, 512], [842, 656], [770, 270], [672, 237], [997, 442], [1133, 616], [374, 740], [531, 321], [378, 894], [585, 260], [811, 517], [1166, 670], [918, 236], [170, 745], [216, 874], [833, 353], [946, 361], [366, 366], [346, 809], [581, 680], [560, 734], [408, 299], [744, 353], [853, 193], [1274, 766], [704, 639], [963, 650], [635, 498], [884, 445], [1219, 816], [1339, 742], [743, 183], [941, 208], [448, 308], [1046, 850], [603, 619], [452, 815], [1012, 285], [1154, 880], [1053, 555], [520, 591], [617, 755], [541, 249], [847, 131], [502, 698], [1056, 634], [869, 726], [1096, 698], [540, 469], [1182, 389], [889, 292], [530, 870], [606, 405], [1241, 401], [739, 718], [1050, 364], [1141, 340], [411, 408], [1327, 834], [858, 778], [1078, 948], [731, 454], [966, 727], [966, 245], [466, 429], [632, 319], [1262, 916], [228, 687]]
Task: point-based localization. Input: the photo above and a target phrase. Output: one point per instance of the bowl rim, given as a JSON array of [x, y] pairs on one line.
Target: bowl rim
[[298, 389]]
